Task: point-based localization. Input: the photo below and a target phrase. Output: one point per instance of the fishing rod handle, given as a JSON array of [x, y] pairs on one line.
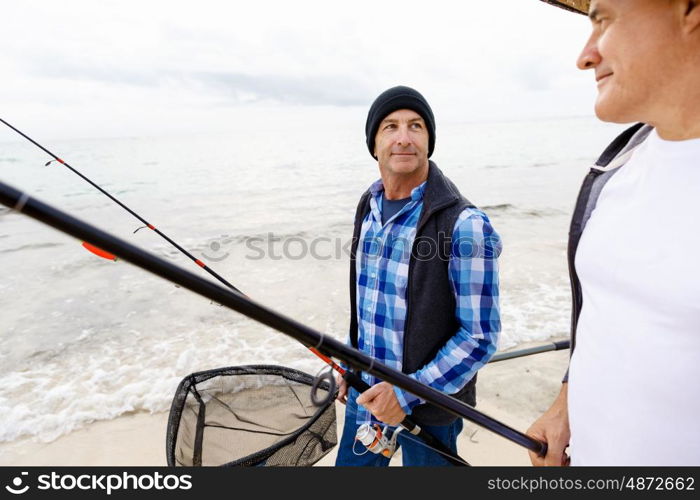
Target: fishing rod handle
[[561, 344], [354, 381], [361, 386]]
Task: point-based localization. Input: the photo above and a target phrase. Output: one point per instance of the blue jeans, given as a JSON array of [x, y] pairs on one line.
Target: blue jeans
[[414, 452]]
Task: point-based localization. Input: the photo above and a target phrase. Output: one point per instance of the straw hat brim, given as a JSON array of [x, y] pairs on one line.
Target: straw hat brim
[[580, 6]]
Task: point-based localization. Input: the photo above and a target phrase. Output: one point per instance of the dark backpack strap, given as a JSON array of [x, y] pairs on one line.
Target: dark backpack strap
[[588, 196], [617, 145]]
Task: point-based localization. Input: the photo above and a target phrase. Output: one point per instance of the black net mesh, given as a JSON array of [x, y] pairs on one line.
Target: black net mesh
[[249, 416]]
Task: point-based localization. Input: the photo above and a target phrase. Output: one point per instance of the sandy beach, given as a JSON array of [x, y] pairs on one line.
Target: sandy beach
[[513, 391]]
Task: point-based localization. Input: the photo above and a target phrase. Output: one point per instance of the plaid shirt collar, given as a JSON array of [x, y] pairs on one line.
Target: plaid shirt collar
[[377, 188], [377, 191]]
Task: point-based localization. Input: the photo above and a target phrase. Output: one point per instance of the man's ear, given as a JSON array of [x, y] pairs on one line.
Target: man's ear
[[691, 21]]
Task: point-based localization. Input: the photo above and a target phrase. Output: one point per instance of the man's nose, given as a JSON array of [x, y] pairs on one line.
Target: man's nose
[[404, 137], [590, 57]]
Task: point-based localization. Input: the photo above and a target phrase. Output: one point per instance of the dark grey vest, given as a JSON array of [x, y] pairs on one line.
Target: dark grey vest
[[430, 310], [614, 157]]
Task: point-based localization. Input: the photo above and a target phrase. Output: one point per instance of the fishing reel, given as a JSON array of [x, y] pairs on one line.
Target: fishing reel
[[375, 439]]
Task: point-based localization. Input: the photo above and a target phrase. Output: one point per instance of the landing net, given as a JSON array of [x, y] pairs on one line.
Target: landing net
[[256, 415]]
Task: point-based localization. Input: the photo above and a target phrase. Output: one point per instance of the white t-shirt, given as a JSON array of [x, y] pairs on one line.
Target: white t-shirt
[[634, 379]]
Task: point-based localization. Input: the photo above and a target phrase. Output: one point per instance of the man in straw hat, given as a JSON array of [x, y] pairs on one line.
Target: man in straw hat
[[630, 396]]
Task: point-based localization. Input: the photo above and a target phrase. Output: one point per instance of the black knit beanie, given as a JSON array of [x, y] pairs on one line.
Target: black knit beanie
[[392, 100]]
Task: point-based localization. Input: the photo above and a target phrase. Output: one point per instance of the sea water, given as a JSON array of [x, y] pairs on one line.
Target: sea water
[[84, 339]]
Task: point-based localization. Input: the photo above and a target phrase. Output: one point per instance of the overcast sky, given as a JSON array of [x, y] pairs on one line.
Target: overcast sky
[[124, 68]]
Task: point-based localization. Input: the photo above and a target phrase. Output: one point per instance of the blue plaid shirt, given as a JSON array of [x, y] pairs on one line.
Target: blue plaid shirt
[[383, 256]]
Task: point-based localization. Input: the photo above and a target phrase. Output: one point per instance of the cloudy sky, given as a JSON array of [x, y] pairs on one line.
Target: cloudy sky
[[123, 68]]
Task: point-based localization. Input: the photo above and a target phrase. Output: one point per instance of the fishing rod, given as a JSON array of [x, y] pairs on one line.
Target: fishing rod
[[21, 202], [118, 202], [552, 346], [353, 380]]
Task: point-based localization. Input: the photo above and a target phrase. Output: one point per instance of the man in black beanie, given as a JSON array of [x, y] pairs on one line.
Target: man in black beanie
[[423, 284]]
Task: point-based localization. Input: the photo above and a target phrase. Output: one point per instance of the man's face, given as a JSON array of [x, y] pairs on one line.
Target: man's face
[[401, 143], [632, 51]]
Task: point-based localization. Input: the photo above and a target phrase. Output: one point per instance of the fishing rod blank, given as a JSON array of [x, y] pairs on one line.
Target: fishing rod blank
[[553, 346], [356, 383], [51, 216], [137, 216]]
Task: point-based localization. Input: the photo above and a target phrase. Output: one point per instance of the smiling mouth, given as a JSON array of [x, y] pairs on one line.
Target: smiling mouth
[[603, 77]]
